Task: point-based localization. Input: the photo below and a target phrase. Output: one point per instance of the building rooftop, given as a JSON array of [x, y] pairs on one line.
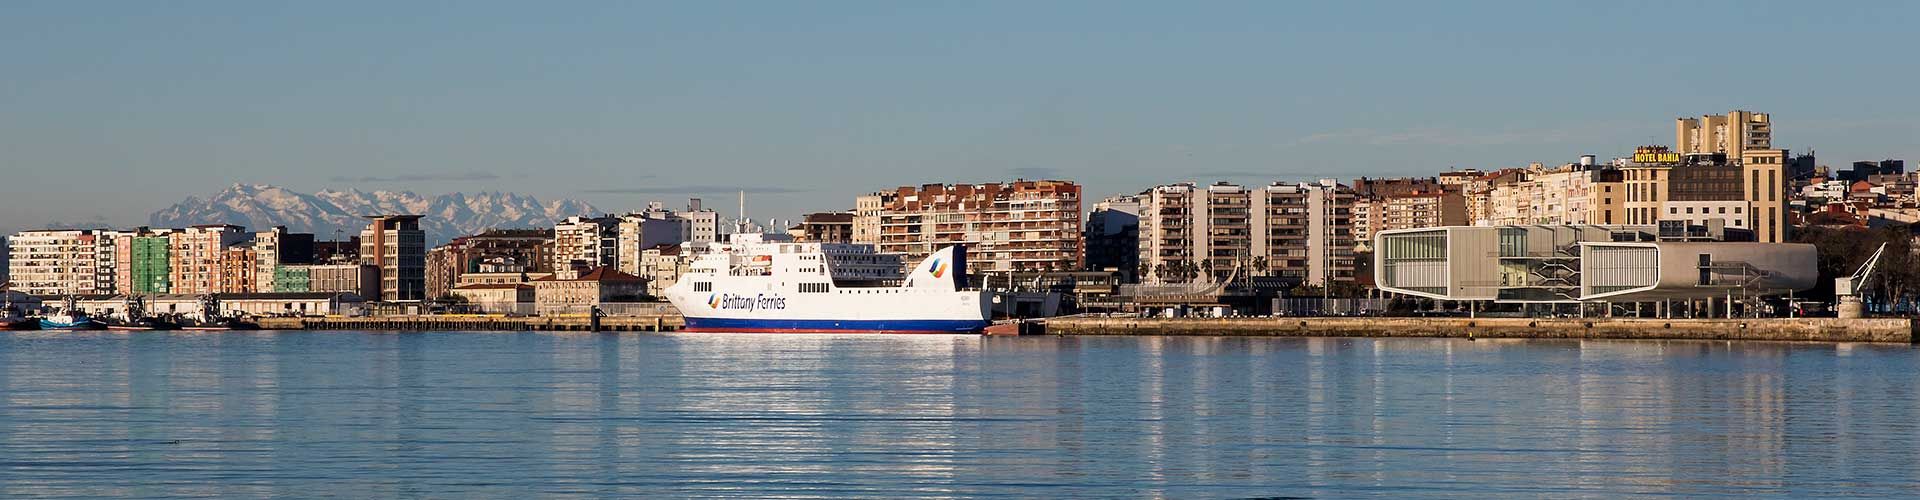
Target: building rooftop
[[602, 273], [493, 286]]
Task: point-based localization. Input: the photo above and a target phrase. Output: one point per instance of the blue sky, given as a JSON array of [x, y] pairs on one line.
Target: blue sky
[[111, 110]]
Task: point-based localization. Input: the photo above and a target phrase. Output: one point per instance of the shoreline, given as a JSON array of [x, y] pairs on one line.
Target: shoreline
[[1876, 330]]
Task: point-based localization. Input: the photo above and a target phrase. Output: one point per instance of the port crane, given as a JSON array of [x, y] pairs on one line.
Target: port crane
[[1847, 290]]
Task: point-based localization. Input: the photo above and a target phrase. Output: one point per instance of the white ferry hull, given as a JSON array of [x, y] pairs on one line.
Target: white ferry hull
[[792, 295]]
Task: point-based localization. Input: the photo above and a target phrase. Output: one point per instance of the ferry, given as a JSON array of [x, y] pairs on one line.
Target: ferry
[[757, 283]]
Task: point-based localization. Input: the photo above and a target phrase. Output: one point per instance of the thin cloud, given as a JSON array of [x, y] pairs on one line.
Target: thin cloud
[[1434, 137], [459, 176], [1233, 173], [1035, 172], [700, 189]]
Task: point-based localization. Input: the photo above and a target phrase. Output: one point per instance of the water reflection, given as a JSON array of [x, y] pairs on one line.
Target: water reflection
[[382, 415]]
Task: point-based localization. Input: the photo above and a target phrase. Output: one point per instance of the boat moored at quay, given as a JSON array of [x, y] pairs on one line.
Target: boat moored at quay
[[759, 284]]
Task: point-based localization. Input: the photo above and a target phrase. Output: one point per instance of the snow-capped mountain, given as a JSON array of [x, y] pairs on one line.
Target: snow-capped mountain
[[447, 216]]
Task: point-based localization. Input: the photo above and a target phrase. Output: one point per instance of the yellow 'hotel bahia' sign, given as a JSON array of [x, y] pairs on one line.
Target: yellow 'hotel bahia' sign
[[1660, 157]]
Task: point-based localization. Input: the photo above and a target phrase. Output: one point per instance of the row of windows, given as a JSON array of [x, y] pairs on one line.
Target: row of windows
[[814, 287], [1704, 210]]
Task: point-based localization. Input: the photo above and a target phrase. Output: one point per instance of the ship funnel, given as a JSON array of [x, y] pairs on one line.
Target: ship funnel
[[945, 270]]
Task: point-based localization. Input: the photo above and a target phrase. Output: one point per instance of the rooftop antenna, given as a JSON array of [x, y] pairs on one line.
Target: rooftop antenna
[[741, 227]]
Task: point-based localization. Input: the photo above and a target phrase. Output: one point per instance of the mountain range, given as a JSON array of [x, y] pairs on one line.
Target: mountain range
[[448, 216]]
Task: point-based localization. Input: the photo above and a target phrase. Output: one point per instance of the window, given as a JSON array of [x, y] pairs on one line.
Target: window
[[1673, 210], [702, 286]]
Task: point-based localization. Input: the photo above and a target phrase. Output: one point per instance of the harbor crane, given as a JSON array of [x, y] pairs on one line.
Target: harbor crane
[[1847, 290]]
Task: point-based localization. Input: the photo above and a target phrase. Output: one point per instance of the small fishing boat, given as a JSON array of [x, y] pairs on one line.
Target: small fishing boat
[[70, 320], [10, 319], [143, 324], [10, 316]]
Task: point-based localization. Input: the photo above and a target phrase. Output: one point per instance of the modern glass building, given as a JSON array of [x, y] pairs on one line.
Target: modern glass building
[[1570, 264]]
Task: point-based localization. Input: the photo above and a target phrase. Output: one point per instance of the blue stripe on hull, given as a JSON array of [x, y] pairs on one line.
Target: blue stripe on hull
[[78, 325], [827, 325]]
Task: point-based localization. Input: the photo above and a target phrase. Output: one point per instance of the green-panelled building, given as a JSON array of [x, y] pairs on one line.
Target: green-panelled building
[[150, 265], [291, 279]]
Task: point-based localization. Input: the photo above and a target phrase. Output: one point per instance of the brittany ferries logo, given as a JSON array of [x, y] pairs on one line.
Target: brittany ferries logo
[[939, 268], [745, 302]]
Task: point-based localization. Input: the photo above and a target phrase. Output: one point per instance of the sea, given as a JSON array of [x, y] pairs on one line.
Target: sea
[[593, 415]]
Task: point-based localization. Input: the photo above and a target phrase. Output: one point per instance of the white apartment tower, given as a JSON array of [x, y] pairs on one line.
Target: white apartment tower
[[1302, 231]]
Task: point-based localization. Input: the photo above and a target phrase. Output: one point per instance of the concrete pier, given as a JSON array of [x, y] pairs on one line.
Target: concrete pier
[[1768, 329]]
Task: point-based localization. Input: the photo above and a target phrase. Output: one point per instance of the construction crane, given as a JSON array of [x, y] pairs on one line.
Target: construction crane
[[1847, 290]]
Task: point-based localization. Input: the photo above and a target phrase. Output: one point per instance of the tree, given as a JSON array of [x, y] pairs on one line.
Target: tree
[[1843, 249]]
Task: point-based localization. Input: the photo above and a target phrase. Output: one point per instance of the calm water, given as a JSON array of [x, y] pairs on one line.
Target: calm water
[[533, 414]]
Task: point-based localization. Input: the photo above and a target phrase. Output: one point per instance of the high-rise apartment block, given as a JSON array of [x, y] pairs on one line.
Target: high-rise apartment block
[[1015, 226], [195, 255], [586, 242], [396, 245], [1733, 133], [54, 261], [278, 247], [1113, 236], [1302, 231]]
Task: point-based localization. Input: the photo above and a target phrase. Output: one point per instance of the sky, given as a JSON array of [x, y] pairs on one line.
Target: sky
[[112, 110]]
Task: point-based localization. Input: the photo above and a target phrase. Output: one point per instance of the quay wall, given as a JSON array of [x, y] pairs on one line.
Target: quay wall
[[652, 323], [1767, 329]]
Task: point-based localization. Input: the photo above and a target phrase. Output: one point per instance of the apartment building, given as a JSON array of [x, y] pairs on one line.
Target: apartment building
[[639, 231], [1733, 133], [1576, 193], [277, 247], [396, 245], [866, 216], [586, 242], [238, 264], [826, 227], [1015, 226], [1113, 236], [493, 251], [1746, 137], [195, 256], [54, 261], [1421, 209], [1302, 231]]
